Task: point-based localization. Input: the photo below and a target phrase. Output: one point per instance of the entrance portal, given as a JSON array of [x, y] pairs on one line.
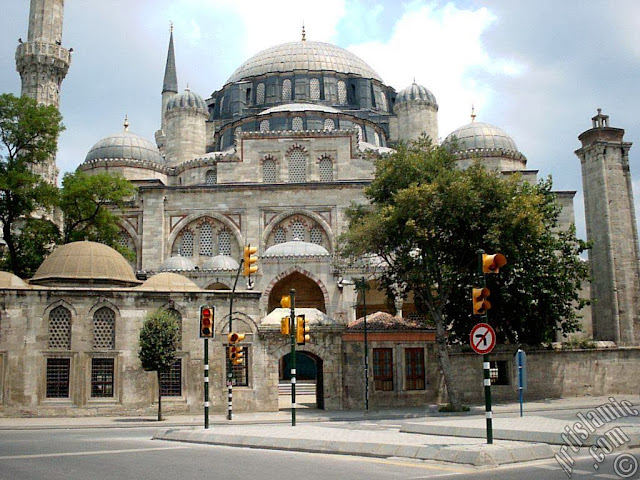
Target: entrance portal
[[309, 381]]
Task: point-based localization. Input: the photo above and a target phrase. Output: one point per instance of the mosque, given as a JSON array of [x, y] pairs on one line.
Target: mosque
[[272, 159]]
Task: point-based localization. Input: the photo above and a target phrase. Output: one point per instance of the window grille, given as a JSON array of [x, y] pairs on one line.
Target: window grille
[[224, 243], [326, 170], [286, 90], [104, 331], [60, 328], [102, 377], [171, 381], [342, 92], [314, 87], [499, 372], [269, 171], [297, 124], [124, 240], [241, 372], [414, 368], [186, 249], [206, 240], [280, 235], [329, 124], [383, 369], [316, 235], [58, 377], [264, 126], [211, 178], [260, 94], [298, 230], [297, 167]]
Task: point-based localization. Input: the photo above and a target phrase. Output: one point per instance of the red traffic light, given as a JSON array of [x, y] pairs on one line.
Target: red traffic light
[[206, 322]]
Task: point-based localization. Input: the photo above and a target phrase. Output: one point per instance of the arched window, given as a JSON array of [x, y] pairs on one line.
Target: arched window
[[60, 329], [264, 126], [206, 240], [342, 92], [298, 230], [326, 169], [124, 240], [224, 242], [297, 167], [186, 244], [260, 94], [286, 90], [314, 89], [316, 235], [211, 178], [104, 329], [296, 124], [329, 124], [279, 235], [269, 171]]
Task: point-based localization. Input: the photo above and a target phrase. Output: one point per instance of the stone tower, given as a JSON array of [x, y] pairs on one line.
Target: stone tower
[[417, 112], [611, 226], [169, 89], [43, 62]]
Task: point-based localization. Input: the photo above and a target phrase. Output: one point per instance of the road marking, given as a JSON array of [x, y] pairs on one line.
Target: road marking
[[97, 452], [418, 465]]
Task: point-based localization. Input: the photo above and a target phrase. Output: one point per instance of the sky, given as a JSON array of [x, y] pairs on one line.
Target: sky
[[538, 70]]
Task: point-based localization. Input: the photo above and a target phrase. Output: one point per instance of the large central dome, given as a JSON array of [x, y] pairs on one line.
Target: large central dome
[[303, 55]]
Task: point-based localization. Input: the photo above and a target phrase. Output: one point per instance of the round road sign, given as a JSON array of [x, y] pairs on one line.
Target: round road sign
[[483, 338]]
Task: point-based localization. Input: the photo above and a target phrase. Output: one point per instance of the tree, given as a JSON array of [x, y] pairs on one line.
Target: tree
[[158, 343], [426, 220], [28, 137]]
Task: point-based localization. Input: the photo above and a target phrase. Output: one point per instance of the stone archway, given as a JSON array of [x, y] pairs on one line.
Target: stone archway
[[309, 379], [308, 293]]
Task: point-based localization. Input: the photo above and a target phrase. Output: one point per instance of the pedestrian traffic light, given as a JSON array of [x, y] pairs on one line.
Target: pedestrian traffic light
[[302, 330], [249, 260], [236, 352], [284, 325], [285, 301], [492, 263], [206, 321], [480, 302]]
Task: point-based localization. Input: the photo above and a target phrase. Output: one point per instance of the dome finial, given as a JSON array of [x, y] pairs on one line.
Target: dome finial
[[170, 27], [126, 123], [304, 34], [187, 89], [473, 114]]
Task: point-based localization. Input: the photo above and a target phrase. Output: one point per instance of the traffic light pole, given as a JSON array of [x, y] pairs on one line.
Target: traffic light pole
[[486, 365], [292, 332], [361, 284], [206, 383], [229, 363]]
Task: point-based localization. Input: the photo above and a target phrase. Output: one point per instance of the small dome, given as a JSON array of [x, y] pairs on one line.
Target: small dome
[[9, 280], [300, 107], [177, 263], [186, 99], [85, 262], [124, 145], [415, 93], [220, 262], [169, 282], [478, 136], [296, 248]]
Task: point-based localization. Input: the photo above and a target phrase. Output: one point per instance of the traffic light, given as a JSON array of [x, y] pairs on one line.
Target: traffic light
[[492, 263], [302, 330], [206, 321], [284, 325], [236, 352], [285, 301], [480, 302], [249, 260]]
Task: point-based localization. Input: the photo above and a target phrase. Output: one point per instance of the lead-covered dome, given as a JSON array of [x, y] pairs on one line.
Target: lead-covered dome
[[124, 145], [177, 263], [82, 263], [186, 100], [220, 262], [169, 282], [478, 136], [303, 56], [416, 93]]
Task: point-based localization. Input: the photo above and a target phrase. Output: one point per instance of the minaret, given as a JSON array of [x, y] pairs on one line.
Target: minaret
[[169, 89], [611, 227], [43, 63]]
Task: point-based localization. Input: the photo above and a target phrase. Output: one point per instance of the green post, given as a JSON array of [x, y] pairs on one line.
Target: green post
[[486, 365], [206, 383], [292, 334]]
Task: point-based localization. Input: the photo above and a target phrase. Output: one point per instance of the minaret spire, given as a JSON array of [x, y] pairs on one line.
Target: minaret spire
[[170, 76]]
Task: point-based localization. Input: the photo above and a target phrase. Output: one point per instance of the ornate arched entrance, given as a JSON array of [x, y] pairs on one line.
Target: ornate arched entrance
[[309, 379], [308, 293]]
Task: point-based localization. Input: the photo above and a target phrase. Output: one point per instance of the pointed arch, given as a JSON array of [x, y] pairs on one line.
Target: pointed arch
[[264, 300], [187, 222], [277, 220]]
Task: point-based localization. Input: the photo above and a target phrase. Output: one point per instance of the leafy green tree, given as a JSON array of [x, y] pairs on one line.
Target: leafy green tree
[[426, 219], [28, 137], [158, 343]]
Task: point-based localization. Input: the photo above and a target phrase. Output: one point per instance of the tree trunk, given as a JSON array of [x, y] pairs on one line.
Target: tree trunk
[[159, 397], [445, 365]]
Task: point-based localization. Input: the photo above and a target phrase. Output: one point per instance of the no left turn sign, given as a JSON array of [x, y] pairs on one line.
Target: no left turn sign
[[483, 338]]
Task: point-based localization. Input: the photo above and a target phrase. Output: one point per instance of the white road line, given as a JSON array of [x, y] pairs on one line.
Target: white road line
[[77, 454]]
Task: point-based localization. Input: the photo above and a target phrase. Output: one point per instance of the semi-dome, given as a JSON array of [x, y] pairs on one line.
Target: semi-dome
[[220, 262], [85, 262], [478, 136], [169, 282], [415, 93], [303, 56], [177, 263], [124, 145], [186, 99], [296, 248], [9, 280]]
